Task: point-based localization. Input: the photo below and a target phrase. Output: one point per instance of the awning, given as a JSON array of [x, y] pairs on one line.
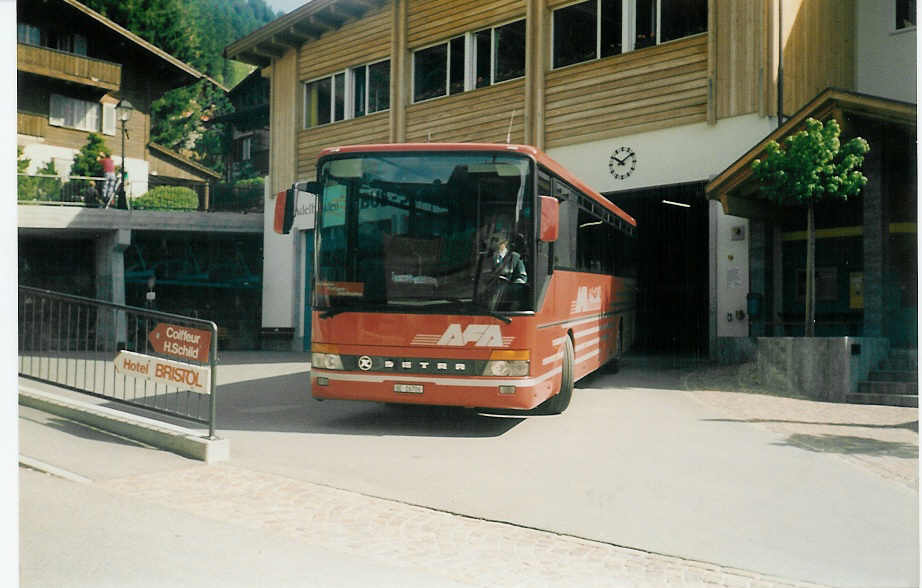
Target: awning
[[735, 187]]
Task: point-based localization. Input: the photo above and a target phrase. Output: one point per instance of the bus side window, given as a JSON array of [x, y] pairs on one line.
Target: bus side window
[[565, 246]]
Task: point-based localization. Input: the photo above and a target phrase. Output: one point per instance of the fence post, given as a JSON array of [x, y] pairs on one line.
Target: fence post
[[214, 377]]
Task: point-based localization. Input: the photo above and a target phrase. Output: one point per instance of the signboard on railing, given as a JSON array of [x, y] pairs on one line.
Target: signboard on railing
[[181, 342], [164, 371]]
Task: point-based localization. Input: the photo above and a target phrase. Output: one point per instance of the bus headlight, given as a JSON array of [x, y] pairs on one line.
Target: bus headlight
[[329, 361], [504, 367], [325, 357]]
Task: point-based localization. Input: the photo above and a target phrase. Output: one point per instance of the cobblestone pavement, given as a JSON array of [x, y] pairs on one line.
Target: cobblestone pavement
[[883, 439], [473, 551]]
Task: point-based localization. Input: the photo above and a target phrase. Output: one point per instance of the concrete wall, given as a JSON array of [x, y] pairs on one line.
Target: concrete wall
[[690, 153], [821, 368], [885, 58]]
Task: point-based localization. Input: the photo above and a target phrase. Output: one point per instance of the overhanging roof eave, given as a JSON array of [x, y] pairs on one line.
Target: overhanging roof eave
[[320, 16], [823, 105]]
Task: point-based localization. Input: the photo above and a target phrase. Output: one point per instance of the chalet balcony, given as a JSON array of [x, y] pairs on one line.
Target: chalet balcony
[[165, 195], [69, 67]]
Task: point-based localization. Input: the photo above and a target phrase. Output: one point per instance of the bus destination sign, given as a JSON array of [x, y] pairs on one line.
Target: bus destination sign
[[181, 342]]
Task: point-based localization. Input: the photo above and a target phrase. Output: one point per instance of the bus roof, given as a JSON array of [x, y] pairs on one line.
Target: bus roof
[[533, 152]]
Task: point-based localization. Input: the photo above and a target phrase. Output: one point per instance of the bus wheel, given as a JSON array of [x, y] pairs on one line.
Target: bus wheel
[[559, 402]]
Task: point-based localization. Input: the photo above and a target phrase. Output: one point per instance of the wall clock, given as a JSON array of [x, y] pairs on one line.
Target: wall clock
[[622, 163]]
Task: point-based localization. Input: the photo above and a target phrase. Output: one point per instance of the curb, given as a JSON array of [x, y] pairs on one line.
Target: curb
[[169, 437]]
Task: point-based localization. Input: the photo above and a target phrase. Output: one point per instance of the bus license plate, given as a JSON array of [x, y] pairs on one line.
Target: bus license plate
[[409, 388]]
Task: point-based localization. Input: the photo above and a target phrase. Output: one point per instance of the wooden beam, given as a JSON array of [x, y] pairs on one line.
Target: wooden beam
[[254, 58], [310, 30], [263, 51], [287, 39], [297, 33]]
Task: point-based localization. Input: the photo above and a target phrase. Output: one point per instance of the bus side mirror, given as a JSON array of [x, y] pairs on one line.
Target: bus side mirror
[[284, 211], [550, 219], [309, 187]]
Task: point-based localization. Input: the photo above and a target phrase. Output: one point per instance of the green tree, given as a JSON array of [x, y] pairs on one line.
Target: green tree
[[811, 165], [86, 162]]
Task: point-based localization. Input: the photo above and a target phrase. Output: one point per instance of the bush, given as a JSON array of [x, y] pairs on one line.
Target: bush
[[39, 188], [167, 198], [249, 183]]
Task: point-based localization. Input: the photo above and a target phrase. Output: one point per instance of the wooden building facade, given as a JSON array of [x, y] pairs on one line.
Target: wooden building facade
[[688, 88]]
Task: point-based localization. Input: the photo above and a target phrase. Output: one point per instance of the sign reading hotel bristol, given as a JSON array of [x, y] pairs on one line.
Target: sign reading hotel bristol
[[166, 371], [181, 342]]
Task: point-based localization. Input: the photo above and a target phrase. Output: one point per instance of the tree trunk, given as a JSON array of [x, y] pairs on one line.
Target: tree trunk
[[810, 298]]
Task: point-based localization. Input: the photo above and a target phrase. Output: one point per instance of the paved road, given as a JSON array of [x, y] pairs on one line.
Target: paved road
[[635, 463]]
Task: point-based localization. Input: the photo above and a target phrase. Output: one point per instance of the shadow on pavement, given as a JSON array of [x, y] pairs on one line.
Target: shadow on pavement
[[284, 404], [848, 445], [83, 431], [910, 425]]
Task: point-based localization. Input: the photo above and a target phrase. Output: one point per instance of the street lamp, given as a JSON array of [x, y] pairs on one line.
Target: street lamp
[[123, 111], [151, 294]]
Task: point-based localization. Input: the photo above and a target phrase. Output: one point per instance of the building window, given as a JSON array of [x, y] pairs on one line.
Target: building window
[[28, 34], [905, 15], [379, 86], [469, 61], [74, 113], [509, 41], [71, 43], [575, 33], [246, 148], [681, 18], [349, 94], [318, 102], [599, 28], [430, 71]]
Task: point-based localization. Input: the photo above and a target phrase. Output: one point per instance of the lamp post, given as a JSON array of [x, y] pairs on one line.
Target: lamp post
[[151, 294], [123, 110]]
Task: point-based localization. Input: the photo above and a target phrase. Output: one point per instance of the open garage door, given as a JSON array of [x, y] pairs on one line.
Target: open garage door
[[673, 267]]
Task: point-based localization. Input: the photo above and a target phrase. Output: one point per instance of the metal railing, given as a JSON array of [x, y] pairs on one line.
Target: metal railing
[[86, 345], [163, 195], [57, 190]]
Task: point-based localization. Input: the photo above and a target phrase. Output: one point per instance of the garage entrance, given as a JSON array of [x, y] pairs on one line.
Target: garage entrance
[[673, 267]]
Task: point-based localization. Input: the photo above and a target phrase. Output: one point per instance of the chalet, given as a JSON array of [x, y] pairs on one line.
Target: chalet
[[75, 68], [249, 128]]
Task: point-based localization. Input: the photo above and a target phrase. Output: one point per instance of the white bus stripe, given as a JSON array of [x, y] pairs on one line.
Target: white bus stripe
[[587, 344], [587, 357], [552, 358]]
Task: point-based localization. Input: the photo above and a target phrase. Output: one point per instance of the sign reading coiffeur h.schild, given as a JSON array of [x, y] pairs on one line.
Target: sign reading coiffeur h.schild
[[181, 342], [165, 371]]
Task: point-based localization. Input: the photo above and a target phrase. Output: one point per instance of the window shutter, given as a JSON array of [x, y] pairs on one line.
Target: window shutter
[[56, 111], [108, 119]]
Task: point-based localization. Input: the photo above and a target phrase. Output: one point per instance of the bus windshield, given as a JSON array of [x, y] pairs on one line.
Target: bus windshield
[[434, 232]]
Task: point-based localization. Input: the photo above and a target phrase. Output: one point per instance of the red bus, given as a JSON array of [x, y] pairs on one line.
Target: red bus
[[474, 275]]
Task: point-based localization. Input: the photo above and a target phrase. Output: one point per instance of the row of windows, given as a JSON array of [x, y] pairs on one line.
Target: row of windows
[[348, 94], [581, 32], [469, 61], [591, 238], [600, 28], [69, 42]]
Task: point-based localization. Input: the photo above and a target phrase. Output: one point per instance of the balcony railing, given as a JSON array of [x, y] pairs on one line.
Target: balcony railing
[[86, 191], [62, 65]]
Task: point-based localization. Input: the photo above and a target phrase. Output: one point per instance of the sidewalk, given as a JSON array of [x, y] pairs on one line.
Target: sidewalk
[[444, 548], [883, 439]]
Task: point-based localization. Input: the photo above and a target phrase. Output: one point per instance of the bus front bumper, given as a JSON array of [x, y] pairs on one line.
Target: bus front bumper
[[473, 392]]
